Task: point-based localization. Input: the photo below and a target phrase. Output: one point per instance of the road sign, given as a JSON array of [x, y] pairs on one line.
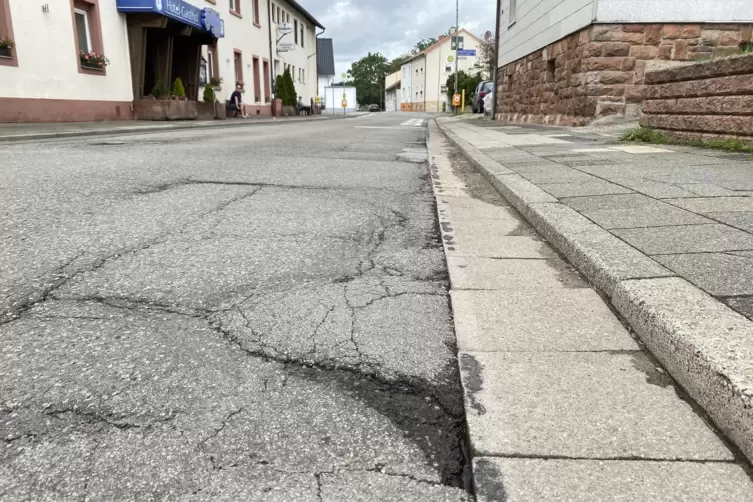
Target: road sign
[[285, 47], [284, 28], [456, 99], [450, 59], [467, 52], [345, 75], [345, 103]]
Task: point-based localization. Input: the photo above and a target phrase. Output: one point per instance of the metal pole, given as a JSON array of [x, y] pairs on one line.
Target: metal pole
[[457, 45]]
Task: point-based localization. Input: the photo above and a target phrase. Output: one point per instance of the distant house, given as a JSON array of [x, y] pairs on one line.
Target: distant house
[[325, 65], [423, 76], [392, 92], [571, 61]]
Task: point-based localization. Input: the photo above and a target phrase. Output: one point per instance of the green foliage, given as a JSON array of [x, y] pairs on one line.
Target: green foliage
[[178, 89], [746, 48], [394, 65], [647, 135], [6, 43], [209, 93], [465, 81], [423, 44], [367, 75], [279, 87], [160, 91], [288, 95]]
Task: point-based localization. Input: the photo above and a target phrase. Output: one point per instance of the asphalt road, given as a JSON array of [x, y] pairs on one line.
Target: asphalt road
[[257, 313]]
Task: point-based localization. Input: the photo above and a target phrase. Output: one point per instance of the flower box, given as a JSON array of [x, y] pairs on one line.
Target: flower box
[[6, 52], [93, 61]]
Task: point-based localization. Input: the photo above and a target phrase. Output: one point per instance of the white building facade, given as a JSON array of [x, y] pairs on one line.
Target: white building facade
[[424, 76], [146, 43]]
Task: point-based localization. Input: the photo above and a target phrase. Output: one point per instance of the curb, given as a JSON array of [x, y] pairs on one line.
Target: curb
[[123, 130], [705, 346]]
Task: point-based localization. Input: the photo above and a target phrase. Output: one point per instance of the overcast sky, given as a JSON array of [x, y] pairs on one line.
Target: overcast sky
[[392, 27]]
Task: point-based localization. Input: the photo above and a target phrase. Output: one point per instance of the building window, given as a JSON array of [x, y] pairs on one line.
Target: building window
[[274, 19], [87, 33], [213, 62], [303, 76], [238, 64], [303, 44], [256, 13], [513, 11], [235, 7], [83, 34], [295, 30], [6, 31], [278, 15]]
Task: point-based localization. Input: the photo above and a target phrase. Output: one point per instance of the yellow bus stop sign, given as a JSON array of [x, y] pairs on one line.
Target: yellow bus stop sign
[[456, 99]]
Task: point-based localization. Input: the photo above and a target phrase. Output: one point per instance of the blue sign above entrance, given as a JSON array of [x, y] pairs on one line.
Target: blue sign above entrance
[[203, 19]]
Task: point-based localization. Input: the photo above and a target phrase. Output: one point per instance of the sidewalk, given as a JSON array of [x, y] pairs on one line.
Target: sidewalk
[[562, 403], [666, 233], [40, 131]]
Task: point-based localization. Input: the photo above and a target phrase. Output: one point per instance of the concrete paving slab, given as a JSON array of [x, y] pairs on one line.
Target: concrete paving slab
[[632, 210], [490, 273], [706, 189], [558, 175], [518, 191], [535, 480], [719, 274], [686, 239], [741, 305], [583, 405], [581, 189], [639, 184], [715, 204], [640, 149], [536, 321], [478, 241], [741, 220], [599, 255], [704, 345], [468, 210]]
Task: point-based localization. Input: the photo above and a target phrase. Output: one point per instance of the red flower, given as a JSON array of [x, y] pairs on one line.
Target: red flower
[[100, 63], [86, 58]]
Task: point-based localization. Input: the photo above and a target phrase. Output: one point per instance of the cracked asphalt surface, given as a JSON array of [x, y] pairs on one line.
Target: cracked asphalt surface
[[250, 314]]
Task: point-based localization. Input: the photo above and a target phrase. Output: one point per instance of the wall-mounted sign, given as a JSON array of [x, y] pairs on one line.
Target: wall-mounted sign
[[284, 28], [203, 19], [467, 52], [285, 47]]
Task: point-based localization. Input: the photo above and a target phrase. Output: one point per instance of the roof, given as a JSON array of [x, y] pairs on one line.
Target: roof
[[440, 41], [325, 57], [305, 13], [396, 84]]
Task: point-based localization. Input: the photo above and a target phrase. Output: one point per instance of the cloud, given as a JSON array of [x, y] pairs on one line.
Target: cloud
[[392, 27]]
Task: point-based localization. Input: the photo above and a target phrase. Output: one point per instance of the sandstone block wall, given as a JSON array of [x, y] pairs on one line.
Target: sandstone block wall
[[702, 100], [600, 71]]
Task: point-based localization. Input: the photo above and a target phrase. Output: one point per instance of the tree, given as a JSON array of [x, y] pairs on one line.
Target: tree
[[488, 53], [367, 75], [423, 44], [288, 93], [396, 63], [465, 81], [178, 90]]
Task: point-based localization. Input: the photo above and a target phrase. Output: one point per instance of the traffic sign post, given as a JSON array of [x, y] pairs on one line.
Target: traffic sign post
[[345, 104]]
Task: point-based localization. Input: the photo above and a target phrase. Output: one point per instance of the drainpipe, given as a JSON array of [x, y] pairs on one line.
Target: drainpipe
[[271, 55], [316, 42], [496, 61]]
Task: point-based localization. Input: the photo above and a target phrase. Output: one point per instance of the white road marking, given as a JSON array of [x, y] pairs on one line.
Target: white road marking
[[413, 123], [387, 127]]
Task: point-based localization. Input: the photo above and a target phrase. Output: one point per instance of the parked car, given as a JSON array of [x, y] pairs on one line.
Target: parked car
[[483, 88], [374, 108]]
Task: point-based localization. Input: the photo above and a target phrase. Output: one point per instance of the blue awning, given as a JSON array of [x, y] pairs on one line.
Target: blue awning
[[204, 19]]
